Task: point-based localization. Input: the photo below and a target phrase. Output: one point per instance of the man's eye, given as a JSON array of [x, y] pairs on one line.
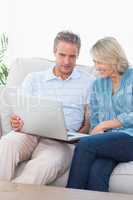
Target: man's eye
[[73, 56], [61, 54]]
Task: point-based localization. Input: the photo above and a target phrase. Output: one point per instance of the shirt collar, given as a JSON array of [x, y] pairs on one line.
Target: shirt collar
[[50, 75]]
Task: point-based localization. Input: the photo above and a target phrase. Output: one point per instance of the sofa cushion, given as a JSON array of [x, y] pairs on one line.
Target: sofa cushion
[[121, 179], [23, 66]]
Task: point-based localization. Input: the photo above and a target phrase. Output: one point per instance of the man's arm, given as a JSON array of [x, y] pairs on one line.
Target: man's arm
[[85, 125], [25, 89]]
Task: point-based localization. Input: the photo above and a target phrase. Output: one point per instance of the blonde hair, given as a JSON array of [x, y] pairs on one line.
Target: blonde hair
[[109, 51]]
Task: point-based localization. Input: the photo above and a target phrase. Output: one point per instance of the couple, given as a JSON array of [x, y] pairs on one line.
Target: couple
[[111, 123]]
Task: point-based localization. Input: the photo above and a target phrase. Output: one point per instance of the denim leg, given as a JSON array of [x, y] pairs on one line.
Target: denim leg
[[117, 146], [100, 173], [78, 175]]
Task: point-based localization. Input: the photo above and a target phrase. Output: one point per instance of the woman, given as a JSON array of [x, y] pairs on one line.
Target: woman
[[111, 120]]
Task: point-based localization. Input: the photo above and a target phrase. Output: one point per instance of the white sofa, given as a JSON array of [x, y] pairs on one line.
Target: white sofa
[[122, 177]]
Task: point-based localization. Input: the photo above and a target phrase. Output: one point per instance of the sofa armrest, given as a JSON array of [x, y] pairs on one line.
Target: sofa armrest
[[5, 111], [1, 90], [0, 127]]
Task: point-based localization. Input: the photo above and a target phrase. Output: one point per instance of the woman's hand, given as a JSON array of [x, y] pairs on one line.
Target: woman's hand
[[16, 123], [103, 126], [98, 129]]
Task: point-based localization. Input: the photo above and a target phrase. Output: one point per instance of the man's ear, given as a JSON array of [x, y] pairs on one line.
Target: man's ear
[[78, 53], [55, 50]]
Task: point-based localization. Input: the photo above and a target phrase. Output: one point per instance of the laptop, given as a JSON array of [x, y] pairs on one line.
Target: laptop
[[42, 117]]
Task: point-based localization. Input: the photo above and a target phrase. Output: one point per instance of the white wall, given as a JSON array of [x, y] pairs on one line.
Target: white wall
[[34, 24], [4, 16]]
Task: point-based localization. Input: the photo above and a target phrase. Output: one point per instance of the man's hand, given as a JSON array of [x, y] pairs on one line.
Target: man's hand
[[16, 123]]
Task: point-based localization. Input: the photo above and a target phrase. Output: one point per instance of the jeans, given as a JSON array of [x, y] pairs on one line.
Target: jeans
[[95, 157]]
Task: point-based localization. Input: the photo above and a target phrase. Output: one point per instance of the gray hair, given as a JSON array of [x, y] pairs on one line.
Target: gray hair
[[68, 37], [109, 51]]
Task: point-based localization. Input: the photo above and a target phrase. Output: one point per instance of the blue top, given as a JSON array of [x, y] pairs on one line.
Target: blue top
[[105, 106]]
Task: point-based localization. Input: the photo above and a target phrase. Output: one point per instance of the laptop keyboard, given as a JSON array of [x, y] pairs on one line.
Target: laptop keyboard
[[70, 135]]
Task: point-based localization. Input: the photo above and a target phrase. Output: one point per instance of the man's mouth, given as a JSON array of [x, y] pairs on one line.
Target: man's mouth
[[67, 66]]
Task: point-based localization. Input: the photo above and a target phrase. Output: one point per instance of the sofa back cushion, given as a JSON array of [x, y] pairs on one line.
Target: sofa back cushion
[[23, 66]]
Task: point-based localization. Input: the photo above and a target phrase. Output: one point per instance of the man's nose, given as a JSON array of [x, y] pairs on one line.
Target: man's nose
[[67, 60]]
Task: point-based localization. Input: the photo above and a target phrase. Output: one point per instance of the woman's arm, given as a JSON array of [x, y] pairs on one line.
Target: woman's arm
[[100, 128], [93, 108], [126, 118], [122, 120]]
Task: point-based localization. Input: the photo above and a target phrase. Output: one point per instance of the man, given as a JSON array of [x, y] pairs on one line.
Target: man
[[65, 83]]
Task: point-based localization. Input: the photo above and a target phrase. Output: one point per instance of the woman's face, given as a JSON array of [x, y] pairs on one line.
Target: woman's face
[[104, 70]]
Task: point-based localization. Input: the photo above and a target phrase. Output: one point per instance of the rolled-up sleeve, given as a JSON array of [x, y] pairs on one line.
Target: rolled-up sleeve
[[126, 119], [93, 108]]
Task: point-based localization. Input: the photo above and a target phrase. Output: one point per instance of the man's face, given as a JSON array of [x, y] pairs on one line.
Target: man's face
[[66, 55]]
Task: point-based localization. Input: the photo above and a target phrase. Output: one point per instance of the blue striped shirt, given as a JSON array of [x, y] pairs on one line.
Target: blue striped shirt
[[105, 106]]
